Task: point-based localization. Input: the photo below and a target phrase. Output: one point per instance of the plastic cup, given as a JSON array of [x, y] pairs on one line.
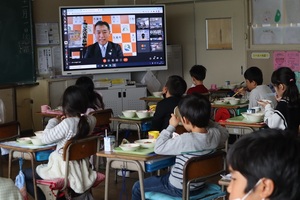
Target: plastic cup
[[153, 134]]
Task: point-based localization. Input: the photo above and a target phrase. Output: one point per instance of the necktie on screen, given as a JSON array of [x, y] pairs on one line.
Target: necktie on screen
[[103, 51]]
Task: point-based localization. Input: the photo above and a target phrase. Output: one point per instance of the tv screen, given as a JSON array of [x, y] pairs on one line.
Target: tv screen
[[106, 39]]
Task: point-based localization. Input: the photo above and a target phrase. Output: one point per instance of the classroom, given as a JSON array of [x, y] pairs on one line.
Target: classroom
[[226, 36]]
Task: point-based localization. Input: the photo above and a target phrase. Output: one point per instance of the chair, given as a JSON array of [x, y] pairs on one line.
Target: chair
[[103, 120], [8, 131], [72, 151], [200, 169]]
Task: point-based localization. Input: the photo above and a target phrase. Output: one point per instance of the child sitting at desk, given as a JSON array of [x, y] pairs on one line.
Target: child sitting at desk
[[203, 137], [264, 165], [174, 89], [254, 80], [73, 125], [198, 74], [286, 113], [95, 99]]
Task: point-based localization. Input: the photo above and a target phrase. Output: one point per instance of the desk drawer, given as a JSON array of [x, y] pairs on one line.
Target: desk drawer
[[160, 163]]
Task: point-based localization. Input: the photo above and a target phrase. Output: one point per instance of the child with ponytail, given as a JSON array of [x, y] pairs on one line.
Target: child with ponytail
[[286, 113], [74, 124]]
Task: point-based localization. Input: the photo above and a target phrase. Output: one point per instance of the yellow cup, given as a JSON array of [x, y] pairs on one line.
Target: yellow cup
[[153, 134]]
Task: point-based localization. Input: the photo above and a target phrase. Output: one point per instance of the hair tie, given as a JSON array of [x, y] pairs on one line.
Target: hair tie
[[291, 80]]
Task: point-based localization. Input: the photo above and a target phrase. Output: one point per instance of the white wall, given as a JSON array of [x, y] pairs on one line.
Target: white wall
[[186, 26]]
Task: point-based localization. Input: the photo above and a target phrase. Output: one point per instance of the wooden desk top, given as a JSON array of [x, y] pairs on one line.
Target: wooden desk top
[[228, 106], [43, 114], [224, 182], [151, 99], [128, 156], [244, 124]]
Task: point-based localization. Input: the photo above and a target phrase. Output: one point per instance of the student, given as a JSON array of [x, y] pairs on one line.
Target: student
[[173, 90], [198, 74], [95, 99], [73, 125], [8, 190], [203, 137], [103, 48], [254, 80], [286, 113], [264, 165]]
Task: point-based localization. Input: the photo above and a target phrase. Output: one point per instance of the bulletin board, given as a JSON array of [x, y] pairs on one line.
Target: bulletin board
[[16, 43], [276, 22], [122, 27]]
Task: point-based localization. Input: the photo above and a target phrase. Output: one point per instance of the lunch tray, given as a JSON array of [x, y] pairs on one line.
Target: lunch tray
[[140, 151], [242, 120]]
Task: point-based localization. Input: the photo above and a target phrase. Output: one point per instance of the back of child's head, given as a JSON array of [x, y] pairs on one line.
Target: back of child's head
[[254, 74], [86, 83], [271, 154], [95, 99], [286, 76], [198, 72], [75, 103], [176, 85], [196, 108]]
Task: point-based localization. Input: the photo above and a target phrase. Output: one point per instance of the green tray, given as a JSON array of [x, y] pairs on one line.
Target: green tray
[[241, 119], [141, 151]]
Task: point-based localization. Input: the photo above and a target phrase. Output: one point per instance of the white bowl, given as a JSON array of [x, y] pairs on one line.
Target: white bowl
[[143, 113], [39, 134], [24, 140], [234, 101], [129, 146], [129, 113], [221, 102], [253, 117], [157, 94], [36, 140], [146, 143]]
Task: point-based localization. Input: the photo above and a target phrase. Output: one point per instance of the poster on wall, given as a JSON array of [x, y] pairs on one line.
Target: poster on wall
[[289, 59]]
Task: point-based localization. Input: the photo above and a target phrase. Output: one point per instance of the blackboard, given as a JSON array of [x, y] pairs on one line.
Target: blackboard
[[16, 42]]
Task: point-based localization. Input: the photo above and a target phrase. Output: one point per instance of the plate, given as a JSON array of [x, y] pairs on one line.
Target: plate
[[146, 143], [24, 140], [133, 118]]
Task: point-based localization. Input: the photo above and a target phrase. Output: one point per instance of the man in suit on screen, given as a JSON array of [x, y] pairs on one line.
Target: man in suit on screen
[[103, 48]]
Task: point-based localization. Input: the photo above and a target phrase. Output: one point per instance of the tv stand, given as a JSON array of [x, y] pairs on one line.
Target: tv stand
[[124, 75]]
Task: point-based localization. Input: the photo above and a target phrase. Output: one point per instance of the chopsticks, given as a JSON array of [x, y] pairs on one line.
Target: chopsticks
[[238, 91]]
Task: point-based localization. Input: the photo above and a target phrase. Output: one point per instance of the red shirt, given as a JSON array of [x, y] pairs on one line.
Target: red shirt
[[197, 89]]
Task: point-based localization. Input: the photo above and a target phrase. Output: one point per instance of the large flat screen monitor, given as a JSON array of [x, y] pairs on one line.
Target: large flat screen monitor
[[134, 40]]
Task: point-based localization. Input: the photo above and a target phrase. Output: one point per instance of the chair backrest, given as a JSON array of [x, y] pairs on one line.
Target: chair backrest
[[201, 168], [102, 116], [9, 131], [79, 149]]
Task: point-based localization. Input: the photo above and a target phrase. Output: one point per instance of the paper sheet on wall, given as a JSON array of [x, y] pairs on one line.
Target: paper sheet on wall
[[151, 81], [47, 33], [44, 59]]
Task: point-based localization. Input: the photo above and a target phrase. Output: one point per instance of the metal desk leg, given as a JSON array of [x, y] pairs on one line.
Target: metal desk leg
[[108, 161], [138, 167], [138, 130], [117, 133], [32, 159]]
